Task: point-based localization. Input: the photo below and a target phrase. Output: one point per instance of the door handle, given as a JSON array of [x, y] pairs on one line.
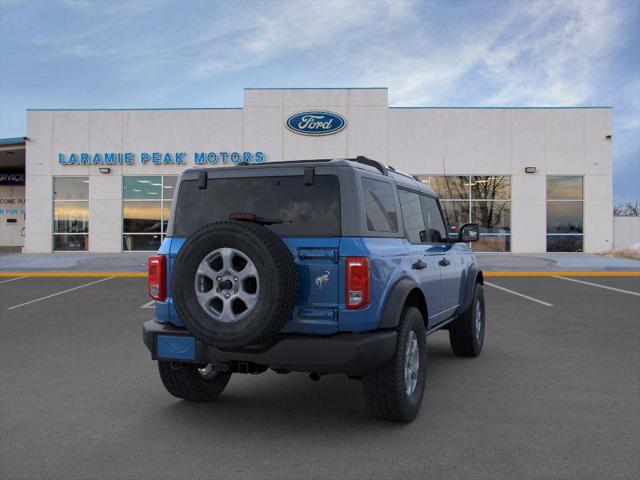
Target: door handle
[[419, 265], [444, 262]]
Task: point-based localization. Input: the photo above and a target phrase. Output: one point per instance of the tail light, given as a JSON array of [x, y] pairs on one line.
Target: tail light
[[357, 282], [156, 279]]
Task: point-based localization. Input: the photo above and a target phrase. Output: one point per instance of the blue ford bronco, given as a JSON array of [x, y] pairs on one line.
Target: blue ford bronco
[[323, 266]]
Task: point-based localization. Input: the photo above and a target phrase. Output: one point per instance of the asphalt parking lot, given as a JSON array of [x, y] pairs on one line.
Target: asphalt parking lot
[[555, 394]]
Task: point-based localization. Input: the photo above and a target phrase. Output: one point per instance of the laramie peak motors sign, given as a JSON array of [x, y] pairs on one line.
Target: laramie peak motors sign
[[159, 158], [315, 123]]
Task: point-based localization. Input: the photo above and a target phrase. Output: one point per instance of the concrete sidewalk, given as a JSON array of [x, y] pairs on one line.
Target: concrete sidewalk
[[554, 262], [136, 262], [74, 262]]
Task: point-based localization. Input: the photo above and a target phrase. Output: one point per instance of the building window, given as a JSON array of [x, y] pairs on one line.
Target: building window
[[70, 213], [564, 214], [146, 204], [482, 199]]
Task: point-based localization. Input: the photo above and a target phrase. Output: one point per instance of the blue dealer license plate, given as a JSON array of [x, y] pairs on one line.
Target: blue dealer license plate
[[176, 347]]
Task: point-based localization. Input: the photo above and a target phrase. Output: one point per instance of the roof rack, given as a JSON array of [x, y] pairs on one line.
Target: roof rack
[[372, 163], [404, 174], [382, 168]]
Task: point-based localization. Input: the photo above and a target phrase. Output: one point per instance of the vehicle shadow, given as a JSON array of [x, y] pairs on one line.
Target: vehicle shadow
[[268, 401]]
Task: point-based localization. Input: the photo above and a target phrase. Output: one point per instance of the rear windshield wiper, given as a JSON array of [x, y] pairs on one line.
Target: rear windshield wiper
[[251, 217]]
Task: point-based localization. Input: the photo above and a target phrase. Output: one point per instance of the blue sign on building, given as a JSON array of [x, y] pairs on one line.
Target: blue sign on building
[[159, 158], [314, 123]]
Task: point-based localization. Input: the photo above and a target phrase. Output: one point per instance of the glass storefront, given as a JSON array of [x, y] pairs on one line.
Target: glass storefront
[[70, 213], [482, 199], [564, 214], [146, 204]]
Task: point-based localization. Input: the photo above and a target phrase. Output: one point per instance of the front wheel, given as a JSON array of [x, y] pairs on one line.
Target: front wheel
[[466, 333], [394, 391], [188, 381]]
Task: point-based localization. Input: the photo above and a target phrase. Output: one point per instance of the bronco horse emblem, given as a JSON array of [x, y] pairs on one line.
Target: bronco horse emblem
[[322, 279]]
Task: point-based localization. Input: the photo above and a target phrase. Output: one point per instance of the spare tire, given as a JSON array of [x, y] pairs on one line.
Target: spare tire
[[234, 284]]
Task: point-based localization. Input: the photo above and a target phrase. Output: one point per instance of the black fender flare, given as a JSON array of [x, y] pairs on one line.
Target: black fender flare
[[393, 308], [474, 275]]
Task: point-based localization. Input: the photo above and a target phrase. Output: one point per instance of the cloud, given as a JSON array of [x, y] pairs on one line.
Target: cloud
[[272, 31], [537, 53]]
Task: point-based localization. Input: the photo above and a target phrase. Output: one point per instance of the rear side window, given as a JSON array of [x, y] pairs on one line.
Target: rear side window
[[306, 211], [380, 206], [412, 217], [436, 232]]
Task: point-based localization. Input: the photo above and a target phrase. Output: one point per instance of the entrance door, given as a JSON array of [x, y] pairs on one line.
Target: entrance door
[[12, 210]]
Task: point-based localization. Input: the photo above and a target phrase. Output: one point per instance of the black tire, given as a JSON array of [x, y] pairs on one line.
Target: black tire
[[278, 284], [385, 389], [465, 338], [182, 380]]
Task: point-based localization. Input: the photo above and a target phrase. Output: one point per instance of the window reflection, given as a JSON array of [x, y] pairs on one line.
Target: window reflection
[[70, 213], [142, 187], [564, 217], [449, 187], [379, 204], [166, 213], [564, 214], [490, 187], [493, 243], [141, 242], [564, 188], [412, 218], [169, 186], [142, 217], [564, 243], [69, 242], [71, 217], [146, 209], [435, 227], [493, 217], [457, 212], [71, 188]]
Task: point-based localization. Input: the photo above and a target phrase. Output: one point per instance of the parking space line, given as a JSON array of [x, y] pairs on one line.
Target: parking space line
[[12, 279], [150, 304], [59, 293], [629, 292], [541, 302]]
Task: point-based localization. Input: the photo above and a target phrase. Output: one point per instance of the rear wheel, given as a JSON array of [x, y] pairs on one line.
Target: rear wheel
[[466, 334], [395, 391], [191, 382]]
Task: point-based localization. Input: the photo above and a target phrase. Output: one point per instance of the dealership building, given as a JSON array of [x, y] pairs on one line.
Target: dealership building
[[535, 179]]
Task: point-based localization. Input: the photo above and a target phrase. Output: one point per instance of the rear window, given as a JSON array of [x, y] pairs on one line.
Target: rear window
[[306, 211]]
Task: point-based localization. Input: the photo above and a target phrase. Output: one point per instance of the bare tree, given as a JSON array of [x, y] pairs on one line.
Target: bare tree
[[628, 209]]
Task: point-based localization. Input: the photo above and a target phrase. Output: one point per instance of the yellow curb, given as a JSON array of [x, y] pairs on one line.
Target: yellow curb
[[562, 274], [73, 274], [486, 274]]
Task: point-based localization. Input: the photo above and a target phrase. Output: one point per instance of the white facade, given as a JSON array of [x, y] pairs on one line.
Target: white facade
[[626, 232], [473, 141]]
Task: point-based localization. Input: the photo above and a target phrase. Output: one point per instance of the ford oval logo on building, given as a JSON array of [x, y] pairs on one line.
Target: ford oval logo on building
[[316, 122]]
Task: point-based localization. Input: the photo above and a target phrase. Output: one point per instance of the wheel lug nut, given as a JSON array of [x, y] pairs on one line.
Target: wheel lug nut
[[218, 278], [226, 295]]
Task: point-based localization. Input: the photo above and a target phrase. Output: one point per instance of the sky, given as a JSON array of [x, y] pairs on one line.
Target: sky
[[136, 54]]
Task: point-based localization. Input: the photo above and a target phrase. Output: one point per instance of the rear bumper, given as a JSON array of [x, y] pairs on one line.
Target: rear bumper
[[350, 353]]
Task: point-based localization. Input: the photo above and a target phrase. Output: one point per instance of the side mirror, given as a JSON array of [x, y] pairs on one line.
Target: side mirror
[[469, 232]]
